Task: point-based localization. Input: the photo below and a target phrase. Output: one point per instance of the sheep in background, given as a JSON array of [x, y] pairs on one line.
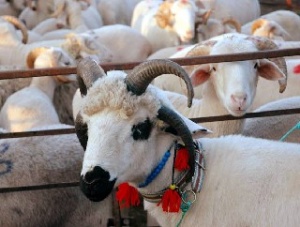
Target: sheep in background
[[46, 160], [25, 108], [214, 27], [168, 24], [277, 24], [12, 7], [70, 14], [228, 87], [116, 11], [36, 12], [275, 127], [239, 171], [243, 11], [9, 32]]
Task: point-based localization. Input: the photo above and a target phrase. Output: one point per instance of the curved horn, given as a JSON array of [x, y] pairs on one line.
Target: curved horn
[[206, 16], [59, 9], [267, 44], [88, 71], [33, 54], [141, 76], [19, 25], [173, 119], [234, 23], [257, 24], [201, 49]]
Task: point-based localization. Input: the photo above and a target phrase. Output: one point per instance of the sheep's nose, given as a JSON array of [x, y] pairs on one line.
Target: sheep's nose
[[96, 185], [239, 99]]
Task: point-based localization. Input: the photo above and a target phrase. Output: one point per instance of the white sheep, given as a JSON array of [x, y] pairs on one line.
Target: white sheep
[[279, 24], [46, 160], [34, 14], [168, 24], [137, 121], [70, 14], [116, 11], [227, 87], [277, 126], [11, 7], [214, 27], [243, 11], [123, 42], [25, 108]]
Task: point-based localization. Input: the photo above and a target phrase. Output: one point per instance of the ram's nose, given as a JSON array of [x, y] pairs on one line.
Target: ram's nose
[[96, 185]]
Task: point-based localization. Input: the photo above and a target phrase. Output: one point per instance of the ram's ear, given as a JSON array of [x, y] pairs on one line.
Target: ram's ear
[[200, 75]]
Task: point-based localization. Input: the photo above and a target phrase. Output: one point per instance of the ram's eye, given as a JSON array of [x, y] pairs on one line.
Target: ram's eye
[[255, 65], [142, 130], [213, 69]]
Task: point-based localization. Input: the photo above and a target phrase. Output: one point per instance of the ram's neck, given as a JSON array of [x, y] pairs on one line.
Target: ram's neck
[[45, 84], [163, 181]]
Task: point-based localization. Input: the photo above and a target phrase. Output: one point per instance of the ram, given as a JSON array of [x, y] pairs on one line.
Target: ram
[[138, 121]]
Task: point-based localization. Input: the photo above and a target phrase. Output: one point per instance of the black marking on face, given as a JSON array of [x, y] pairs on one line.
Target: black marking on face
[[96, 184], [142, 130], [81, 130]]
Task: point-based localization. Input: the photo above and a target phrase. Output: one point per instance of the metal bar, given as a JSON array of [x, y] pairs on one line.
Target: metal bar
[[39, 187], [197, 120], [247, 115], [12, 74], [37, 133]]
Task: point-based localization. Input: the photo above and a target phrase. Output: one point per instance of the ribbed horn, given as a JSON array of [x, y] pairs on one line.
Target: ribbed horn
[[33, 54], [141, 76], [88, 71], [257, 24], [234, 23], [199, 50], [267, 44], [173, 119], [18, 25]]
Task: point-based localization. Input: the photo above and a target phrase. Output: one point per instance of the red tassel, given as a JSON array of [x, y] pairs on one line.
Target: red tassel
[[171, 200], [297, 69], [182, 159], [127, 196]]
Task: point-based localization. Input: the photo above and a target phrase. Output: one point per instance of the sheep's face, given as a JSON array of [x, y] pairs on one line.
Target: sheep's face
[[184, 17], [180, 17], [121, 133], [235, 82]]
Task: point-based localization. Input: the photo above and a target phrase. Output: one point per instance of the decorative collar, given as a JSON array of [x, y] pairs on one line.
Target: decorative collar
[[184, 177]]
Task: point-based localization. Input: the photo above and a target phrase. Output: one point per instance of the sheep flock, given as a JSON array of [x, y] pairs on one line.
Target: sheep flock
[[129, 124]]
